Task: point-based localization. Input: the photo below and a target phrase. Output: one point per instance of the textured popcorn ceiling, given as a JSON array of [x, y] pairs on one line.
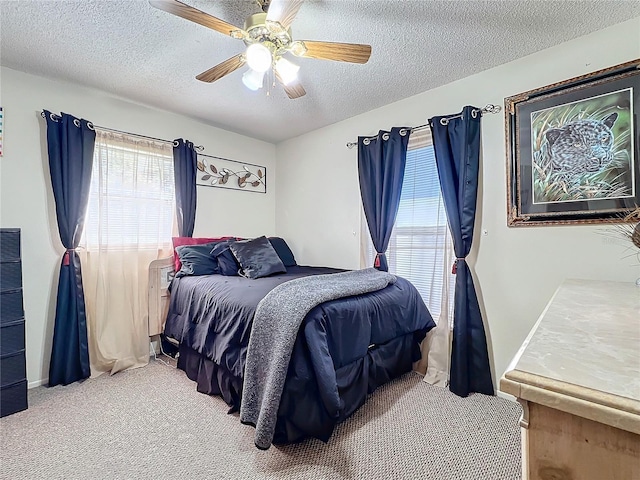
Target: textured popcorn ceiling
[[138, 52]]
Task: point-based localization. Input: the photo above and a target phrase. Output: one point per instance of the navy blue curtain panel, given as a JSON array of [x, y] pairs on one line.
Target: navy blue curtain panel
[[381, 162], [70, 143], [185, 166], [456, 141]]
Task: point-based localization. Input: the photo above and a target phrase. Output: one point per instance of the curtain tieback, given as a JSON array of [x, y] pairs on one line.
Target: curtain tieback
[[67, 253], [376, 262], [454, 268]]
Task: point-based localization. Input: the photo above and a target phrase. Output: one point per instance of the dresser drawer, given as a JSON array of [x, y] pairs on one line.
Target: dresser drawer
[[12, 337], [13, 368], [9, 244], [11, 306], [10, 275], [13, 398]]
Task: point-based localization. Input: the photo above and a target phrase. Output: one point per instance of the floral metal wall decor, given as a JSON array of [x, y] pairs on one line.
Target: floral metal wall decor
[[225, 173]]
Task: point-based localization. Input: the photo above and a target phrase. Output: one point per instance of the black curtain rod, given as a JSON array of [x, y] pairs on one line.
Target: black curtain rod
[[490, 108], [199, 148]]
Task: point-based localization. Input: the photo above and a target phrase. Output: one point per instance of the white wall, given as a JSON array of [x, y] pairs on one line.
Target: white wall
[[26, 199], [517, 269]]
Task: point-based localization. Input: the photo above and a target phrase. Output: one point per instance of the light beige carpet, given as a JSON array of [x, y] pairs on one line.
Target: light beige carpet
[[151, 423]]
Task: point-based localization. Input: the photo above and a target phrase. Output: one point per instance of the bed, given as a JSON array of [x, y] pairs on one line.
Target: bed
[[348, 345]]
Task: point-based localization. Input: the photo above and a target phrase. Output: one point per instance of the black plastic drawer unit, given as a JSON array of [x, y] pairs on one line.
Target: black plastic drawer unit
[[13, 398], [11, 306], [10, 275], [9, 244], [12, 337], [13, 368]]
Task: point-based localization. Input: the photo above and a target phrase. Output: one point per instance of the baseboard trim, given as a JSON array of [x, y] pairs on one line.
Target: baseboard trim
[[37, 383]]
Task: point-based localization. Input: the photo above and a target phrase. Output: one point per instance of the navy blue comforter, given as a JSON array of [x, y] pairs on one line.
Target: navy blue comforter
[[355, 343]]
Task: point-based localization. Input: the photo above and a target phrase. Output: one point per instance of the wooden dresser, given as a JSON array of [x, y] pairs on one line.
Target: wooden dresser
[[13, 372], [577, 376]]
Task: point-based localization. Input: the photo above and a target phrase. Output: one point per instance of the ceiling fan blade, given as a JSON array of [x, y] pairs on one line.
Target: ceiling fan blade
[[341, 52], [198, 16], [283, 11], [294, 89], [225, 68]]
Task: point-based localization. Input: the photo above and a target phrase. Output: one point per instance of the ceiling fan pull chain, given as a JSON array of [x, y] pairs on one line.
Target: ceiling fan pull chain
[[270, 83]]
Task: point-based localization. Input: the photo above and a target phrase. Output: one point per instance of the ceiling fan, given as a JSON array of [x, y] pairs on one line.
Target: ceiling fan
[[267, 36]]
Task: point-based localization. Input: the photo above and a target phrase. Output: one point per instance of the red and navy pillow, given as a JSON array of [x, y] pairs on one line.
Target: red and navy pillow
[[178, 241], [253, 258]]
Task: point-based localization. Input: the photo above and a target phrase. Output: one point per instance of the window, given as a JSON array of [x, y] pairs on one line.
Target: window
[[420, 248], [132, 195], [129, 223]]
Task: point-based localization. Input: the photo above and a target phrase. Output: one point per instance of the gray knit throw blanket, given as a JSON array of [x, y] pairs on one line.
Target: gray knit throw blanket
[[275, 327]]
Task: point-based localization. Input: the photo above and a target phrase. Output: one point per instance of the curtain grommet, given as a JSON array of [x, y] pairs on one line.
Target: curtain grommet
[[366, 141]]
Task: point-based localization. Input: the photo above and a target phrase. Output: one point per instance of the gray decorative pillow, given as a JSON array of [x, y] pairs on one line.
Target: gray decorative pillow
[[196, 260], [257, 258]]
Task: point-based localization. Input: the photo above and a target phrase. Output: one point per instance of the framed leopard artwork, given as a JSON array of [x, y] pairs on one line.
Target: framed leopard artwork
[[572, 149]]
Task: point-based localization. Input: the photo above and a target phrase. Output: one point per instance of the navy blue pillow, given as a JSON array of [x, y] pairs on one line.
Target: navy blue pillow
[[227, 264], [197, 260], [283, 251], [257, 258]]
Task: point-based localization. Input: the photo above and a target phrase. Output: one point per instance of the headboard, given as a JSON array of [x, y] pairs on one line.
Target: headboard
[[160, 274]]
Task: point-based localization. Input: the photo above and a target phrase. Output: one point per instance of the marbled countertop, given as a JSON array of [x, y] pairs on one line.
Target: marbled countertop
[[584, 349]]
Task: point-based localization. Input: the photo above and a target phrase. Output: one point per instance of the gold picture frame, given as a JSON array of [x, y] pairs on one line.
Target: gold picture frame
[[572, 149]]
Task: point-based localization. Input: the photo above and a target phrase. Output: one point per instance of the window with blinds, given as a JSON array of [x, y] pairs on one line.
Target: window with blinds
[[420, 248], [132, 193]]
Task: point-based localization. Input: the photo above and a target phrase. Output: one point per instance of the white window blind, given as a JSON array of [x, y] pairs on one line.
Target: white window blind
[[132, 194], [420, 247]]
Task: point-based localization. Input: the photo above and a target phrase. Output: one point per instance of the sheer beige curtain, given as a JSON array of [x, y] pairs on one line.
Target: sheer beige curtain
[[436, 347], [421, 250], [130, 219]]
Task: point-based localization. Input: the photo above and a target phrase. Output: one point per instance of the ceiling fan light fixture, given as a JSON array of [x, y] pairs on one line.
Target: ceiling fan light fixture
[[253, 79], [287, 71], [268, 37], [259, 57]]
